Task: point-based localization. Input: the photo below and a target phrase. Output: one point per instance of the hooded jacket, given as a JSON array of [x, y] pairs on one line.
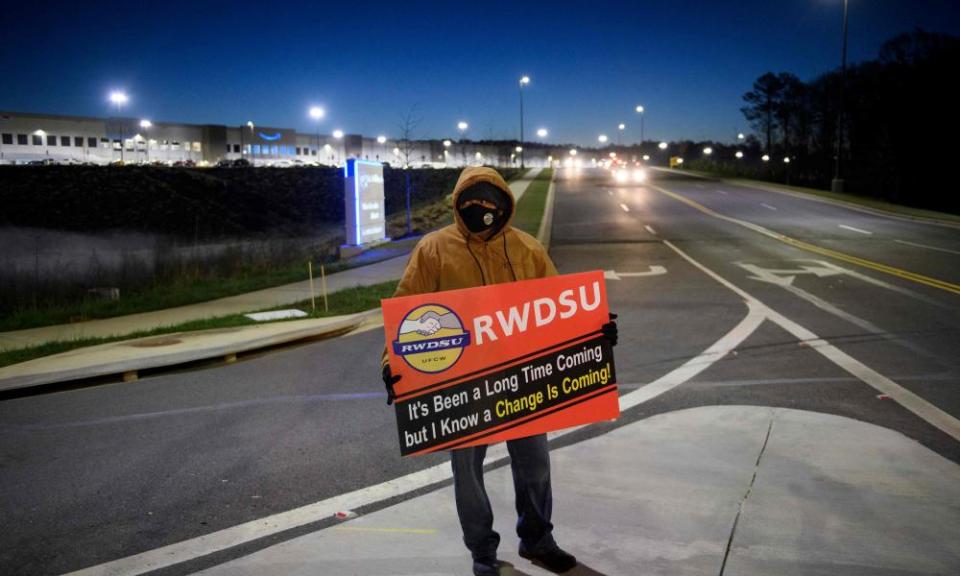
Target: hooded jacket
[[453, 257]]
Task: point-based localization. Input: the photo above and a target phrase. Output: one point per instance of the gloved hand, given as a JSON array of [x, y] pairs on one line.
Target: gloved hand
[[610, 329], [389, 380]]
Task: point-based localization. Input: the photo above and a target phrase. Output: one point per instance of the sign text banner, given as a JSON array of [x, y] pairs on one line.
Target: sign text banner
[[484, 365]]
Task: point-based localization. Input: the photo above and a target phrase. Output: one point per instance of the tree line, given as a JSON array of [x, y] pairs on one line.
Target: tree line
[[899, 122]]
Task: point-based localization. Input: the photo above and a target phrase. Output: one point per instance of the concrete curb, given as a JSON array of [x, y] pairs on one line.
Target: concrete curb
[[128, 357]]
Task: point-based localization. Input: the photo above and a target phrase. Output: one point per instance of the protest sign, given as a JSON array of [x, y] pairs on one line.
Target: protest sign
[[488, 364]]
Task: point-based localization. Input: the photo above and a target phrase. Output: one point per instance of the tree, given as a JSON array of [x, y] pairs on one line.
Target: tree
[[409, 122], [762, 105]]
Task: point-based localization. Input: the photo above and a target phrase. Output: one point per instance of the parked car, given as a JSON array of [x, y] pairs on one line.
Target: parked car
[[241, 163]]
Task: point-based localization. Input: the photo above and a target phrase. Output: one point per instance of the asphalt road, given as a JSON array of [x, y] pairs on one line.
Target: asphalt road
[[102, 472]]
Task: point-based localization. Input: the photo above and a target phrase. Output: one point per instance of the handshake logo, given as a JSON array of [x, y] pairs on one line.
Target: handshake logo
[[431, 338]]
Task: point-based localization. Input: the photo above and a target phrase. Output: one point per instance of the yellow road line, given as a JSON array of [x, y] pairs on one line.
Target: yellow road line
[[387, 530], [905, 274]]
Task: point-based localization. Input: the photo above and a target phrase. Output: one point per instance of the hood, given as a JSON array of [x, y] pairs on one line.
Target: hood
[[474, 175]]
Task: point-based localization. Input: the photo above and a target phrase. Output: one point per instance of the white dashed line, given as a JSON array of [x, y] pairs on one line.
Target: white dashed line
[[947, 250], [625, 209], [650, 229], [844, 226], [769, 207], [724, 192]]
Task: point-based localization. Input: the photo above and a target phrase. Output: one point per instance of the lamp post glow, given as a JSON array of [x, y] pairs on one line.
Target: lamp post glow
[[739, 155], [573, 151], [708, 151], [542, 132], [523, 82], [765, 157], [662, 145], [118, 99], [146, 124], [602, 138]]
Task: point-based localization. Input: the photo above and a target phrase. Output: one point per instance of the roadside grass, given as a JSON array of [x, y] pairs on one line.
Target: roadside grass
[[346, 301], [531, 205]]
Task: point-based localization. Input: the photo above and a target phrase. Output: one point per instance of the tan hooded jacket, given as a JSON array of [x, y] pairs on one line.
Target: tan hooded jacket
[[453, 257]]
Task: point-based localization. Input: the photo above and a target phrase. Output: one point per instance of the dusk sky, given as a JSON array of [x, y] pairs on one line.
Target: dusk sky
[[590, 63]]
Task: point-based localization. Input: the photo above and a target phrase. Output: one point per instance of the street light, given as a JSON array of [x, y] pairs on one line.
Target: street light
[[662, 145], [542, 132], [462, 127], [146, 124], [708, 150], [317, 113], [640, 110], [573, 151], [242, 147], [740, 136], [837, 184], [119, 98], [765, 157], [739, 154], [602, 138], [523, 82]]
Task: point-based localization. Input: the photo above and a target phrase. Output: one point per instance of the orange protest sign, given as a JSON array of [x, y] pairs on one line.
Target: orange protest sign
[[484, 365]]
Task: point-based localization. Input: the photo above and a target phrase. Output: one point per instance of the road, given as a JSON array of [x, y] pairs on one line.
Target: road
[[103, 472]]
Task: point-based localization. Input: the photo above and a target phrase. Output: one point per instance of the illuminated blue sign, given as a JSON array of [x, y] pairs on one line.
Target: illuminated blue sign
[[271, 137], [364, 203]]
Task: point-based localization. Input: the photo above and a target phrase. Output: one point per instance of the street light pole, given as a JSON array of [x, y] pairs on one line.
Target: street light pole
[[523, 81], [640, 110], [119, 99], [837, 184], [146, 124], [317, 114]]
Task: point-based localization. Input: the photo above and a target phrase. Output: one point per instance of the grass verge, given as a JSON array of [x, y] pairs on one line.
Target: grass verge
[[347, 301], [531, 205]]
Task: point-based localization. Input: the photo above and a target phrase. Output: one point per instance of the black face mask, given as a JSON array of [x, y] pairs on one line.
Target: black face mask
[[483, 207]]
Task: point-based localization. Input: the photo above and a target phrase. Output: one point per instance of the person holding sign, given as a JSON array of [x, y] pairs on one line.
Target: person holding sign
[[479, 249]]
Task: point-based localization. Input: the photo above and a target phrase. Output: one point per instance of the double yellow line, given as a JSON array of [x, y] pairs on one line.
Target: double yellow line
[[905, 274]]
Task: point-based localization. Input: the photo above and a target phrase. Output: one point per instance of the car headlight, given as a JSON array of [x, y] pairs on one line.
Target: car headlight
[[639, 175]]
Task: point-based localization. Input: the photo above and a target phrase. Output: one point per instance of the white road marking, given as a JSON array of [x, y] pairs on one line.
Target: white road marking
[[867, 232], [947, 250], [717, 351], [653, 271], [624, 207], [724, 192], [769, 207], [925, 410], [650, 229]]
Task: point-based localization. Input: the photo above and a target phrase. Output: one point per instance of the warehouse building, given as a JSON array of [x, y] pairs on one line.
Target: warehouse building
[[29, 138]]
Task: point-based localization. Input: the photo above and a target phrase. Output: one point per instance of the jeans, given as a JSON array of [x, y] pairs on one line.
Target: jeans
[[530, 462]]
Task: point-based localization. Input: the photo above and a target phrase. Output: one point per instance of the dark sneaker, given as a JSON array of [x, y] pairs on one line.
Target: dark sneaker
[[554, 559], [486, 567]]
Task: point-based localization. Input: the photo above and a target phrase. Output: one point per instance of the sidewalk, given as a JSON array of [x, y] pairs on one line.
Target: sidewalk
[[822, 495], [376, 273]]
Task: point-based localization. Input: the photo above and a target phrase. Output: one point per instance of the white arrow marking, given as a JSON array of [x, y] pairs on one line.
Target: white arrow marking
[[625, 208], [653, 271]]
